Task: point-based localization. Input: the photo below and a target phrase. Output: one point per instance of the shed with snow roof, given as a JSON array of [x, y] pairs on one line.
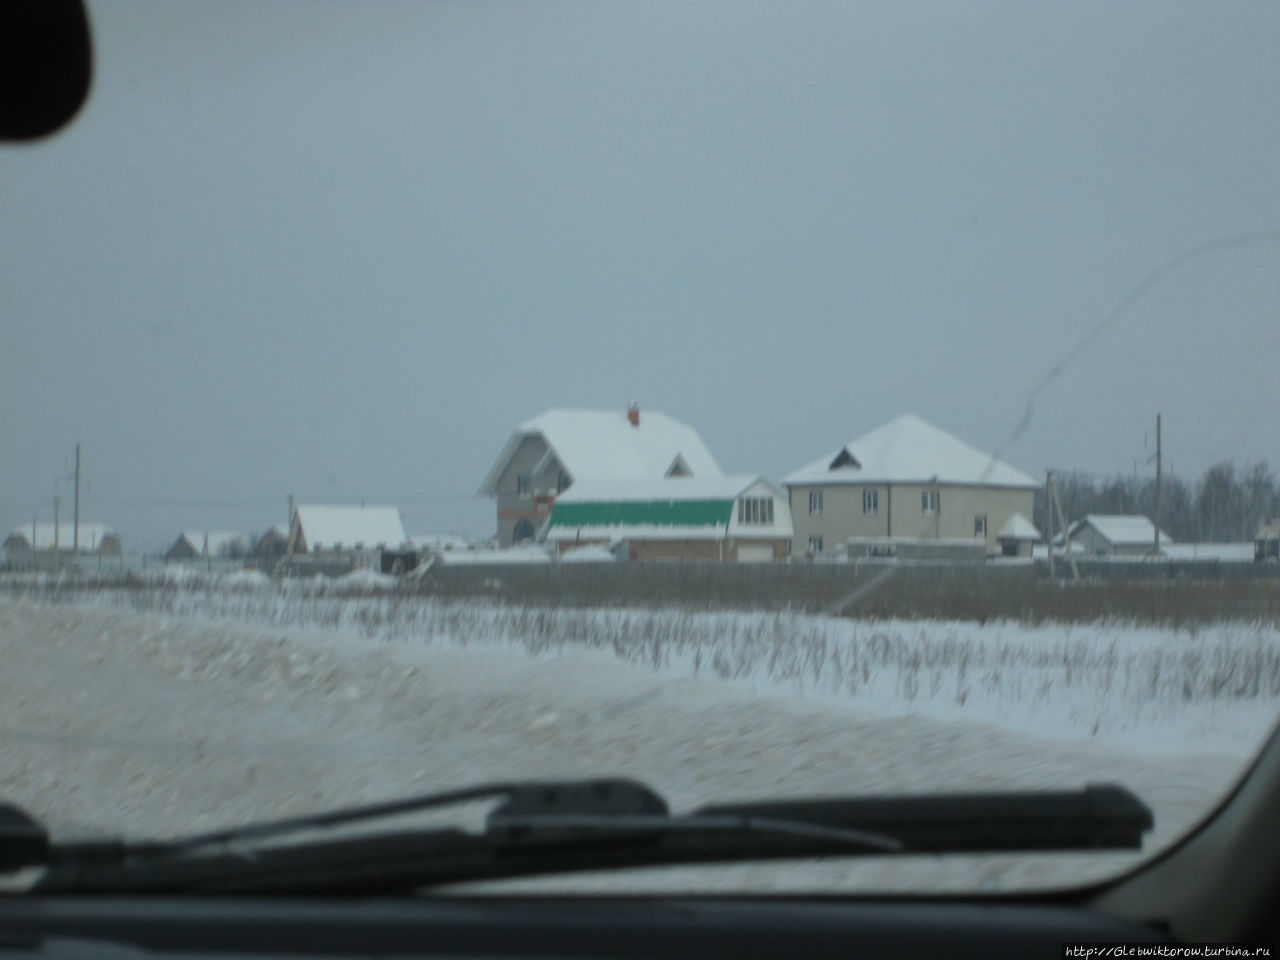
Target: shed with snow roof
[[739, 518], [906, 478], [1115, 535], [1017, 536], [318, 528], [562, 447]]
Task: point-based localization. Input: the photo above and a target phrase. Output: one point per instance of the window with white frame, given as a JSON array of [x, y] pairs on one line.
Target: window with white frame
[[524, 483], [930, 502], [815, 544], [815, 503], [870, 501], [755, 511], [979, 524]]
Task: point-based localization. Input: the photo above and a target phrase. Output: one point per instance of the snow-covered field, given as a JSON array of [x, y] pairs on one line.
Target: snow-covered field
[[165, 709]]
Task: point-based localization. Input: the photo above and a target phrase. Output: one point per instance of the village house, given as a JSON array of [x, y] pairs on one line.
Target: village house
[[907, 478], [735, 519], [1115, 535], [273, 543], [317, 529], [208, 544], [548, 454], [43, 540]]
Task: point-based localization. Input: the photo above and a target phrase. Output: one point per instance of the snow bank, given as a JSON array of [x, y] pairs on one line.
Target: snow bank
[[365, 580], [1209, 689], [191, 723]]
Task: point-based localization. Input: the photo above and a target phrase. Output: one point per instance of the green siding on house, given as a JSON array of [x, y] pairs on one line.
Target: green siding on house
[[662, 513]]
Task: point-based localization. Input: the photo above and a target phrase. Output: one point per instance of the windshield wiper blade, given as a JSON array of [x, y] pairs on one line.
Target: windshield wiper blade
[[544, 828]]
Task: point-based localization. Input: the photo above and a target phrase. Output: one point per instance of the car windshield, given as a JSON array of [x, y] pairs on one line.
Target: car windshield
[[754, 400]]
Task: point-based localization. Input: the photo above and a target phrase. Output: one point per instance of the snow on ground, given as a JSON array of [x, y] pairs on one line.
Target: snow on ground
[[233, 706]]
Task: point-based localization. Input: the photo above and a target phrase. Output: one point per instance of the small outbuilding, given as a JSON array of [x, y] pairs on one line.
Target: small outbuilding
[[1017, 536], [318, 528], [1115, 535]]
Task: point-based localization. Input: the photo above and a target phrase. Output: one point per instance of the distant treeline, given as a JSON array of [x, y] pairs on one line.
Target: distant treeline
[[1225, 504]]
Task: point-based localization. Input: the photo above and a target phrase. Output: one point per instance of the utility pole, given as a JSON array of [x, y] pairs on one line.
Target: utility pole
[[57, 501], [1048, 506], [1157, 524], [75, 533]]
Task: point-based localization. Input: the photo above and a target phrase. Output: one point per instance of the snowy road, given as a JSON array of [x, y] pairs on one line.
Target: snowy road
[[149, 725]]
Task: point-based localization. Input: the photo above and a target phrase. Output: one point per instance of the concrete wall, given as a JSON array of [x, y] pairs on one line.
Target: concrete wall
[[692, 550], [899, 513]]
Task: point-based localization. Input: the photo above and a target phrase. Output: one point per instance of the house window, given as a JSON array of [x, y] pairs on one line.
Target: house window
[[979, 524], [562, 481], [815, 544], [815, 503], [524, 483], [929, 501], [870, 501], [755, 511]]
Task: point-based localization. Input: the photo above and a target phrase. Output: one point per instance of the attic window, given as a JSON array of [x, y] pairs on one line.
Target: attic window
[[845, 459], [679, 468]]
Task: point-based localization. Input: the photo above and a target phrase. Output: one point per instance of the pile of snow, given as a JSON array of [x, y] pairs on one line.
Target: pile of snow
[[367, 580], [593, 554], [243, 579]]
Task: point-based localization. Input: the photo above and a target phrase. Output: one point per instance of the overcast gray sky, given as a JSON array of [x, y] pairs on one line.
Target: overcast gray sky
[[341, 249]]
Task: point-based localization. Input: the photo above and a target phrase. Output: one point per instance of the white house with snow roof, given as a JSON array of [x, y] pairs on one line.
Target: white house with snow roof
[[906, 478], [318, 528], [733, 519], [548, 454], [1115, 535]]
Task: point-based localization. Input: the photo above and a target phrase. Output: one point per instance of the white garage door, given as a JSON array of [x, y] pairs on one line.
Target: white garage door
[[755, 554]]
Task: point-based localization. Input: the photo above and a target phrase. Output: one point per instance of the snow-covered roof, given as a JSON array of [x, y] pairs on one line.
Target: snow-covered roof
[[603, 444], [1018, 527], [327, 526], [1120, 529], [722, 487], [219, 541], [908, 449], [91, 535]]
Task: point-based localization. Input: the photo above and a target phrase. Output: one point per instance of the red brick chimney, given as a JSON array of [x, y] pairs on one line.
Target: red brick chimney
[[633, 414]]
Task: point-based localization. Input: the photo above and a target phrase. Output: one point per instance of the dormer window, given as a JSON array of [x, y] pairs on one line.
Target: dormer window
[[845, 460], [679, 468]]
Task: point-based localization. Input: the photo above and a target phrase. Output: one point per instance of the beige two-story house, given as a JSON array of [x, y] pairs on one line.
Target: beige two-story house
[[905, 479], [552, 451]]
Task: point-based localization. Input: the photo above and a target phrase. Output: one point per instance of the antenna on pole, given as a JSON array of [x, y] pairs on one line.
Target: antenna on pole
[[75, 533], [1048, 503], [1157, 523]]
